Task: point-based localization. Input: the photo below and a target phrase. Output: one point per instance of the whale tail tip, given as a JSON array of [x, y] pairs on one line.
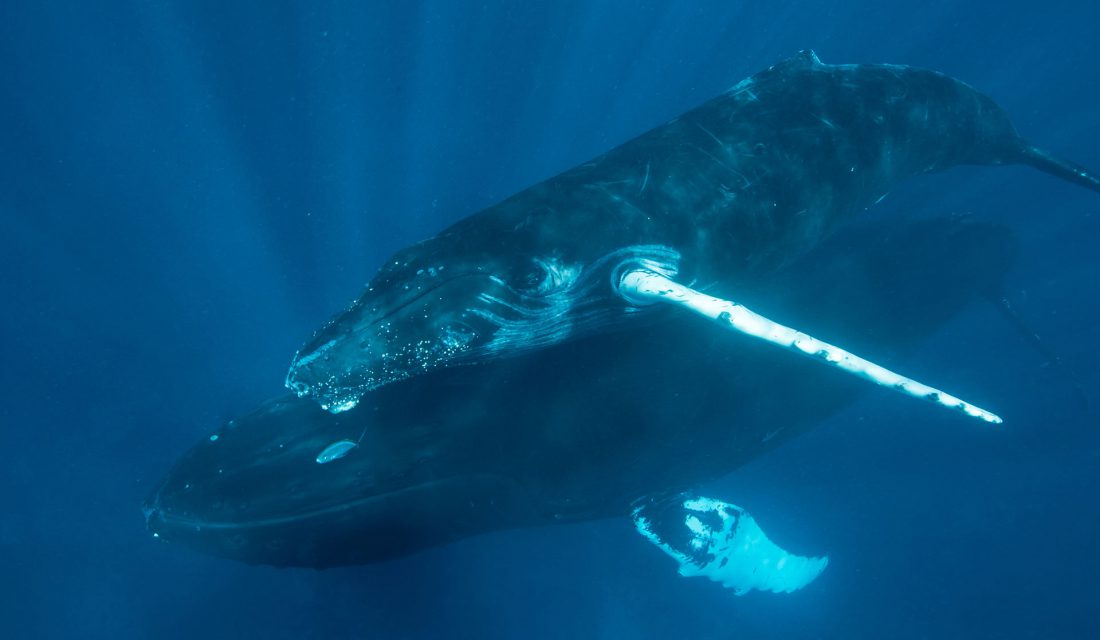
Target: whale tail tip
[[1059, 167]]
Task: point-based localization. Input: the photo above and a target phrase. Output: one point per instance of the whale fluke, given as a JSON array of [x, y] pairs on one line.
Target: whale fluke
[[1059, 167]]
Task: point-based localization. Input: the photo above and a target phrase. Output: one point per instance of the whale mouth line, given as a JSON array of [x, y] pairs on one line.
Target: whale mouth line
[[153, 510]]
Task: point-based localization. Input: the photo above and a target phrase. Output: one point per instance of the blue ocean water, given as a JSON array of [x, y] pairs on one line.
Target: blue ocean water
[[189, 188]]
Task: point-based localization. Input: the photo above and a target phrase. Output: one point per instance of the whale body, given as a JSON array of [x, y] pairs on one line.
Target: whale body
[[719, 197]]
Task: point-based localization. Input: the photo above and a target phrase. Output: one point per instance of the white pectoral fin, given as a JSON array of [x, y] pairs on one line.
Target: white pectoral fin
[[643, 286], [722, 542]]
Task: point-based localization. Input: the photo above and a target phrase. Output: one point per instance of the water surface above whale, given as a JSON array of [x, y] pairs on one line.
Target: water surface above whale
[[714, 199]]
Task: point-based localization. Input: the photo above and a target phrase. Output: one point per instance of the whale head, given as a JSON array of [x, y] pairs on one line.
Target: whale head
[[476, 292], [292, 485]]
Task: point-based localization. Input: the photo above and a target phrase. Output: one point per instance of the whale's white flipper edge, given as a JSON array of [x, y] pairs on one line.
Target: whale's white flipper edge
[[642, 287]]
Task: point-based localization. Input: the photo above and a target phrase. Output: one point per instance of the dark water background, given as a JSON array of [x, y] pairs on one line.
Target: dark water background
[[187, 189]]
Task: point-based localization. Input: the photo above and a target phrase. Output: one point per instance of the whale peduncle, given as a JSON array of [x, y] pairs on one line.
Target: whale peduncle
[[1059, 167]]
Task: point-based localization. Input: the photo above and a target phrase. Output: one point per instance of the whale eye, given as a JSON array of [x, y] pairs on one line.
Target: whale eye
[[544, 277], [533, 280]]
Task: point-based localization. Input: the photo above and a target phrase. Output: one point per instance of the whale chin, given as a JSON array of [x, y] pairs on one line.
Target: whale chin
[[366, 530]]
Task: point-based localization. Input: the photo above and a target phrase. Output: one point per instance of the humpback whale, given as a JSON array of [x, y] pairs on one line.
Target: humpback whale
[[619, 425], [595, 394], [690, 213]]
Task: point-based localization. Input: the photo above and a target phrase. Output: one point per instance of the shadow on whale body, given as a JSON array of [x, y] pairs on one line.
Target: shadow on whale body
[[722, 195], [569, 433]]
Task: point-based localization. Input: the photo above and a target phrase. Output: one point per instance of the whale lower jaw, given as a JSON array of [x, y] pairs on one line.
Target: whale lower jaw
[[360, 531]]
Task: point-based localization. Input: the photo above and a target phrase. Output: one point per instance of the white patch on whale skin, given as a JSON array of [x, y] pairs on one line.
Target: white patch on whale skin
[[744, 85], [308, 358], [642, 286], [335, 451], [340, 407], [736, 554], [456, 336]]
